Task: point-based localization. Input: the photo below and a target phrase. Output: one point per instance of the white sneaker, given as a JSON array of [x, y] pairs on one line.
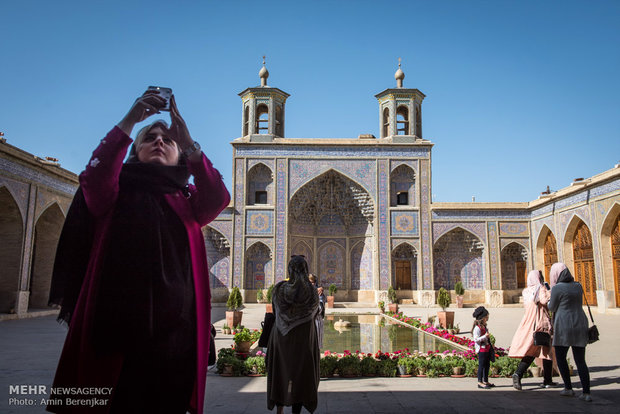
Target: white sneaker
[[585, 397], [567, 393]]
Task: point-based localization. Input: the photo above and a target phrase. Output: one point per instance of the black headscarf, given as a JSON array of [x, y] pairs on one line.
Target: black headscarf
[[295, 300], [565, 276], [146, 250]]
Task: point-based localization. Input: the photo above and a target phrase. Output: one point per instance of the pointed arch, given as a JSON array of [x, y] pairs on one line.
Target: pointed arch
[[610, 248], [405, 266], [331, 258], [385, 122], [402, 120], [258, 266], [458, 256], [218, 257], [546, 251], [332, 169], [262, 119], [578, 246], [402, 186], [46, 234], [513, 259], [260, 185], [11, 242], [361, 265]]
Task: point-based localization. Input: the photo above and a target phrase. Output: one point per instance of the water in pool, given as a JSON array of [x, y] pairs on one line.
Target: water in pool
[[367, 335]]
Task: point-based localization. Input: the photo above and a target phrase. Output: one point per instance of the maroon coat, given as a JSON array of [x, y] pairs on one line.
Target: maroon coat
[[78, 365]]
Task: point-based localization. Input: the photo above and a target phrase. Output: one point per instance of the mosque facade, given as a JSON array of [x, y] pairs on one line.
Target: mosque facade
[[360, 211]]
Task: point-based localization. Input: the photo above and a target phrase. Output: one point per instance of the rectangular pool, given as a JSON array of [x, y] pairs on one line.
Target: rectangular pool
[[370, 333]]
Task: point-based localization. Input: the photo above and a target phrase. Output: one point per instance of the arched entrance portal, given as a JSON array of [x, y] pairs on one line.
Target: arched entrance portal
[[514, 266], [458, 257], [11, 230], [583, 258], [550, 253], [404, 267], [330, 222], [218, 257], [46, 234], [258, 266]]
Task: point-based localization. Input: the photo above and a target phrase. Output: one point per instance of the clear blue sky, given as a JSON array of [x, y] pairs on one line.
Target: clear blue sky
[[519, 94]]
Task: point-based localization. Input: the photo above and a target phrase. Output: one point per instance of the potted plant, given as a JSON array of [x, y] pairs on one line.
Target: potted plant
[[387, 367], [255, 365], [332, 291], [460, 291], [226, 329], [393, 306], [349, 366], [243, 341], [368, 366], [445, 318], [421, 365], [404, 366], [328, 365], [381, 305], [269, 306], [227, 364], [260, 296], [234, 302]]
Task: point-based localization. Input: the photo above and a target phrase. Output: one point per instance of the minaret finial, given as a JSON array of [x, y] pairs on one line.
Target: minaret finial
[[263, 74], [399, 76]]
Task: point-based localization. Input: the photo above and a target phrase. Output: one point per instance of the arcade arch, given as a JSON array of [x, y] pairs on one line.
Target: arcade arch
[[458, 256], [260, 185], [514, 266], [578, 242], [405, 267], [46, 234], [610, 247], [402, 186], [258, 266], [11, 236], [218, 258]]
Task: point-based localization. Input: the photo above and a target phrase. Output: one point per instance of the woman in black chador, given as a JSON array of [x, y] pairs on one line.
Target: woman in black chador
[[293, 350]]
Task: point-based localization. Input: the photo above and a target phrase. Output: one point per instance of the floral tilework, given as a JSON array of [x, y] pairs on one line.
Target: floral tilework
[[513, 229], [238, 243], [439, 229], [259, 222], [404, 223], [493, 254], [281, 200], [384, 254], [361, 171], [425, 186]]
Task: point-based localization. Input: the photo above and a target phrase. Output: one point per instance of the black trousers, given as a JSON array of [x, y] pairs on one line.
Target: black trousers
[[525, 363], [579, 354], [484, 362]]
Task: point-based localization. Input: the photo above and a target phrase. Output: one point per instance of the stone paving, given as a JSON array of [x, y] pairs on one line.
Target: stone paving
[[30, 349]]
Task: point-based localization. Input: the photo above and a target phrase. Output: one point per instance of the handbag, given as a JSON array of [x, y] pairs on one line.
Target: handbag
[[592, 330], [267, 325], [541, 338]]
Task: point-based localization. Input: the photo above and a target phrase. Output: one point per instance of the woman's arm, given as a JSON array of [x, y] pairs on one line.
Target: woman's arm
[[209, 196], [479, 339], [99, 181]]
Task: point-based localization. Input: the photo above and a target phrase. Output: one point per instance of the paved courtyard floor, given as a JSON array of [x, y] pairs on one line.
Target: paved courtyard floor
[[29, 351]]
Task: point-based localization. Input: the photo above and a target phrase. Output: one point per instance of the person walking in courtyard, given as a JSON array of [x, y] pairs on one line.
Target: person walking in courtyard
[[570, 326], [483, 346], [293, 350], [536, 319], [319, 318], [131, 269]]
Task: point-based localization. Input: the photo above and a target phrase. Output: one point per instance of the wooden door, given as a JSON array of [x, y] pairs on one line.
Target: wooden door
[[583, 256], [550, 253], [521, 268], [615, 258], [403, 274]]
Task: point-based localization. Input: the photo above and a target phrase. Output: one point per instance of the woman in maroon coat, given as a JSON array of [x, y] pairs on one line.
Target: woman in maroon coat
[[131, 271]]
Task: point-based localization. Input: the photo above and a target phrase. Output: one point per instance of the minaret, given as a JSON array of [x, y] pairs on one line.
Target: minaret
[[263, 110], [400, 111]]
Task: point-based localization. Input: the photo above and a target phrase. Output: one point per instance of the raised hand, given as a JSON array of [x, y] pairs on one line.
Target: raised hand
[[178, 128], [146, 105]]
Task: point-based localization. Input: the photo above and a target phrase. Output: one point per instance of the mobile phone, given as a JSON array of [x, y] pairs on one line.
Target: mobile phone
[[165, 93]]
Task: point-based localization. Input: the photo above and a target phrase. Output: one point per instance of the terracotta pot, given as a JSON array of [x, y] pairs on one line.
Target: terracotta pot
[[330, 301], [445, 319], [243, 347], [459, 301], [393, 307], [233, 318], [458, 370]]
